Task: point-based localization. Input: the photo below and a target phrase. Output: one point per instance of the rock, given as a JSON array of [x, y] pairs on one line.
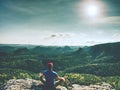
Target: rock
[[61, 88], [102, 86], [30, 84], [25, 84], [21, 84]]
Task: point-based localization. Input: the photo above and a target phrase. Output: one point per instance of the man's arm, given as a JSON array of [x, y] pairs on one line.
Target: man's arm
[[61, 78], [41, 77]]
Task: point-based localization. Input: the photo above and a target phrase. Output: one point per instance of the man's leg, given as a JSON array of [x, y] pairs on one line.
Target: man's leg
[[58, 83]]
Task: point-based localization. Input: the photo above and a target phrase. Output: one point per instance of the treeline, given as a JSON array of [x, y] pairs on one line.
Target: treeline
[[49, 50], [104, 69], [24, 62]]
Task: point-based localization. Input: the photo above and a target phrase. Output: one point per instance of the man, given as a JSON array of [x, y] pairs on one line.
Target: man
[[50, 76]]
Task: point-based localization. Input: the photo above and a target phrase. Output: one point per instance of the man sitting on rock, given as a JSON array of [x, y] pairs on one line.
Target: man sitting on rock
[[50, 76]]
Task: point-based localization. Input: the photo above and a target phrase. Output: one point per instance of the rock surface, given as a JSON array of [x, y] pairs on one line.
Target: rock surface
[[20, 84], [25, 84], [30, 84], [102, 86]]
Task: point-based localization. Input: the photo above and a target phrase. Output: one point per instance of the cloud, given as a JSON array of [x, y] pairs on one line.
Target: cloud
[[116, 36], [115, 20], [53, 35], [14, 7], [91, 42], [112, 20], [60, 35]]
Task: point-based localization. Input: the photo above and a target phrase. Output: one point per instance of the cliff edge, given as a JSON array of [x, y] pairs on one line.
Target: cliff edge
[[31, 84]]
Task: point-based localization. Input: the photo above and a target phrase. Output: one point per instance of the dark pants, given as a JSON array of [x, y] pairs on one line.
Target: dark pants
[[44, 87], [48, 88]]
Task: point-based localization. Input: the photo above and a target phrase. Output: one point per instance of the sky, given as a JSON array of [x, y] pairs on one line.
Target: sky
[[59, 22]]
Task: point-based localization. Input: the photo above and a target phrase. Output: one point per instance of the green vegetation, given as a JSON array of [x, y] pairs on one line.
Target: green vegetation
[[6, 74], [87, 79], [87, 65], [83, 79], [104, 69]]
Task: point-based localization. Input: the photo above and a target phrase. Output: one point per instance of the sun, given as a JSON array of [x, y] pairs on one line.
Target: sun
[[92, 10]]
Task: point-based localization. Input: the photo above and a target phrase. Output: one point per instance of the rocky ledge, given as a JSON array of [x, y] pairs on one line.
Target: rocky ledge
[[30, 84]]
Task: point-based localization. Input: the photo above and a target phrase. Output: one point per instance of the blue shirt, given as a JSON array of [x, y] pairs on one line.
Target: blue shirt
[[50, 77]]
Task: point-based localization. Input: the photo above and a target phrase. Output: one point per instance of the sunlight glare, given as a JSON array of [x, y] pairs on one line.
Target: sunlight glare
[[92, 10]]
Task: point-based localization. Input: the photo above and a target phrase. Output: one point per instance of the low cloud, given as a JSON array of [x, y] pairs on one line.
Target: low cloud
[[53, 35], [91, 42], [116, 36], [114, 19], [60, 35]]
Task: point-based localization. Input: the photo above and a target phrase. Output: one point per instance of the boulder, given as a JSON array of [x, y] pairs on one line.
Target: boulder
[[31, 84], [25, 84], [61, 88], [21, 84], [102, 86]]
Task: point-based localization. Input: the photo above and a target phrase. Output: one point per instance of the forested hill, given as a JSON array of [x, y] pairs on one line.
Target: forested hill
[[95, 51], [73, 55], [101, 60], [101, 53], [109, 52], [110, 49]]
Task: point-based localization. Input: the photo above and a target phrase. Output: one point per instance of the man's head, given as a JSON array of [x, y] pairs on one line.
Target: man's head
[[50, 65]]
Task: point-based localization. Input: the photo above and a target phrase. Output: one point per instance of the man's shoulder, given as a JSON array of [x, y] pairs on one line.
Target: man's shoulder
[[47, 71], [55, 73]]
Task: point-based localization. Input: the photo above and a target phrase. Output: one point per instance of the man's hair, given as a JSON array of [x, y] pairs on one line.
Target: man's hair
[[50, 65]]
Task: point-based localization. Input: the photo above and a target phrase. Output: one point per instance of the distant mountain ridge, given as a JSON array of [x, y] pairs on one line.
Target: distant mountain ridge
[[52, 50], [107, 49], [97, 51], [19, 49]]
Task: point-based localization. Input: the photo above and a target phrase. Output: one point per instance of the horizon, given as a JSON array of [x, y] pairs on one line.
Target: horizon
[[59, 22], [57, 45]]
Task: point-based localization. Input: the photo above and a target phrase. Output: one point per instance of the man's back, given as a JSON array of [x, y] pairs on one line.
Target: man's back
[[50, 77]]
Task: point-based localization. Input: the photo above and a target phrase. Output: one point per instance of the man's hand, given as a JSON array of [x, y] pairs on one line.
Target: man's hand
[[40, 74], [62, 78], [42, 77]]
